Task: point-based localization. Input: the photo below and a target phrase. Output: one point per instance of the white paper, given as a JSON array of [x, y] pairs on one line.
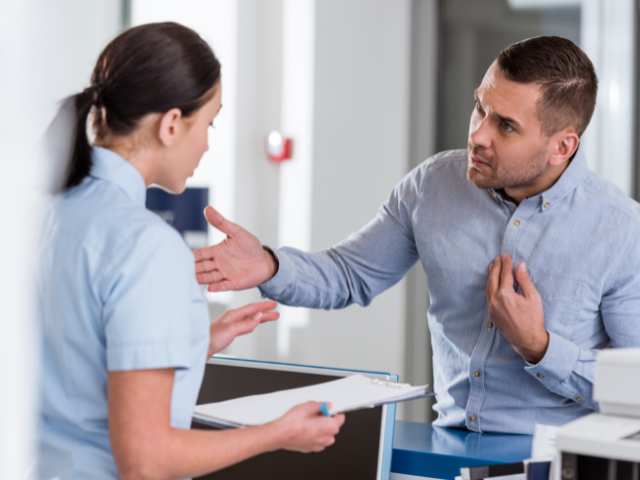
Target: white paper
[[515, 476], [544, 446], [345, 394], [544, 441]]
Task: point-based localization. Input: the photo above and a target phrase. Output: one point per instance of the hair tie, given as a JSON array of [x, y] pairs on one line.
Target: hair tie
[[96, 93]]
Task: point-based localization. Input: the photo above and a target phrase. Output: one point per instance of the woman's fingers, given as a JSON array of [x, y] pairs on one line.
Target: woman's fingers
[[269, 316], [250, 310]]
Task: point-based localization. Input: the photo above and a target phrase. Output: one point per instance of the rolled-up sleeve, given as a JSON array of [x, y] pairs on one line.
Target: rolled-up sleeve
[[568, 369]]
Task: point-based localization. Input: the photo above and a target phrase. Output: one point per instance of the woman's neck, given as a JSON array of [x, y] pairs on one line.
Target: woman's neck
[[142, 159]]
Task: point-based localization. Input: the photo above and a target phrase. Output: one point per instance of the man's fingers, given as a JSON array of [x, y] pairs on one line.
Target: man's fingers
[[223, 286], [506, 277], [493, 283], [209, 277], [522, 276], [218, 221], [203, 266], [201, 254]]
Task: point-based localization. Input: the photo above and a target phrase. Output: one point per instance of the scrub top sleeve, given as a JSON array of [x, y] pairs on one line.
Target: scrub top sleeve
[[147, 307]]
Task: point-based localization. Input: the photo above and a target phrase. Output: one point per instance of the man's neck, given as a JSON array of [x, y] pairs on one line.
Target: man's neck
[[542, 183]]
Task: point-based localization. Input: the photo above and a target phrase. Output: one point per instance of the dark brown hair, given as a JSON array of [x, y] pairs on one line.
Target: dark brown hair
[[566, 77], [147, 69]]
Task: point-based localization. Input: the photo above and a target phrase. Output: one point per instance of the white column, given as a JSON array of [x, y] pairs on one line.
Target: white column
[[607, 37], [297, 114]]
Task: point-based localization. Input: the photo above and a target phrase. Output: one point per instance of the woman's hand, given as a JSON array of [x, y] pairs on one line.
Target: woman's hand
[[305, 429], [240, 321]]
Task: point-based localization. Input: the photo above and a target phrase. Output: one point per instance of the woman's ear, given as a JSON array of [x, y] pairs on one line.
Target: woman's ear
[[170, 125], [566, 144]]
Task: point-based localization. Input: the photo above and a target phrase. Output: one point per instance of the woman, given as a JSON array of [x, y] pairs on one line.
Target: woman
[[126, 331]]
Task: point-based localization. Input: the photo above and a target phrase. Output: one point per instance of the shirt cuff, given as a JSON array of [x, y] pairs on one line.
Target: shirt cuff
[[282, 279], [557, 364]]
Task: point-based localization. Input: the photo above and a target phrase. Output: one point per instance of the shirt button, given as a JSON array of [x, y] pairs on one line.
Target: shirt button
[[579, 399], [517, 223], [490, 325], [476, 373], [472, 418], [540, 375], [546, 205], [494, 194]]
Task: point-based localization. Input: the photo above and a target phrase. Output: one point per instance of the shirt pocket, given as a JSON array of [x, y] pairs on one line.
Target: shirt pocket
[[562, 299]]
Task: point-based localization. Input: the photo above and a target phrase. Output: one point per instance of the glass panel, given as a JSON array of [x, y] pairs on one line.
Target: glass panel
[[473, 33]]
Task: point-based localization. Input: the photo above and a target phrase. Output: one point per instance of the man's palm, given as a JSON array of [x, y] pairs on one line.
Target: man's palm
[[237, 263]]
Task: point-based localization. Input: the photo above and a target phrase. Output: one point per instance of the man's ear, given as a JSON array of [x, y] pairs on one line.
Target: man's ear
[[170, 126], [564, 143]]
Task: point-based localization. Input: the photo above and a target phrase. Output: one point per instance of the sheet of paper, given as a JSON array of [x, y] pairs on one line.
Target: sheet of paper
[[544, 441], [517, 476], [544, 446], [346, 394]]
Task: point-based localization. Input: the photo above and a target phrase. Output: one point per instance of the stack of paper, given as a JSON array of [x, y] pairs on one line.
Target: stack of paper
[[349, 393]]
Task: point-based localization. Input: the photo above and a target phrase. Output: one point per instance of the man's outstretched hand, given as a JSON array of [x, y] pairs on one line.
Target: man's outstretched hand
[[519, 318], [237, 263]]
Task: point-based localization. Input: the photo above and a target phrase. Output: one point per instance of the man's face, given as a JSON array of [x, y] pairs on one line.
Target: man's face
[[506, 148]]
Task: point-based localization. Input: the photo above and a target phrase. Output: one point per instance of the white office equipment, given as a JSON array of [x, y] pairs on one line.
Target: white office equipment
[[606, 446]]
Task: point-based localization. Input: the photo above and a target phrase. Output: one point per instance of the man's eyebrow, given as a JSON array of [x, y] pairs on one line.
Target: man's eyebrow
[[508, 120], [499, 117]]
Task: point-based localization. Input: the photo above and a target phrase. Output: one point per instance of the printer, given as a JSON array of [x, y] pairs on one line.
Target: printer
[[606, 445]]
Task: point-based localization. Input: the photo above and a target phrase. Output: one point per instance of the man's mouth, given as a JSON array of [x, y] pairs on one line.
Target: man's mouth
[[479, 164]]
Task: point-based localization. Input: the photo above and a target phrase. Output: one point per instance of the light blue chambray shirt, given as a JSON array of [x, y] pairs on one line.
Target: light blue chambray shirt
[[580, 240], [117, 292]]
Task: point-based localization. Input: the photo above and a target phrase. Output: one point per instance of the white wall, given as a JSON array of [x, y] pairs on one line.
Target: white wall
[[47, 51], [360, 152], [359, 136]]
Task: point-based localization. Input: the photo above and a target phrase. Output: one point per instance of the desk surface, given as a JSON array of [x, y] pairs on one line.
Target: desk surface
[[424, 450]]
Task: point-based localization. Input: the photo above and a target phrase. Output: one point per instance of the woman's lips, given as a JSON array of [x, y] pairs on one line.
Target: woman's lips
[[479, 164]]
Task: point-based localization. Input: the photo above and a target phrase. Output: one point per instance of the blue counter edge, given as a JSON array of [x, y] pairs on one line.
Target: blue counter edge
[[426, 451]]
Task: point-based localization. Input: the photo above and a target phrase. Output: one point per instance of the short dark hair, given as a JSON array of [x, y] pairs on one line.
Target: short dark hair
[[151, 68], [565, 75]]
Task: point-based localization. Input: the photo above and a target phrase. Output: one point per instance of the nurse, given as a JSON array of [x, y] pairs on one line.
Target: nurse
[[126, 331]]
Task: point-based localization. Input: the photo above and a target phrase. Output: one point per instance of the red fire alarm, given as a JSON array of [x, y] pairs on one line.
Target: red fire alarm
[[278, 147]]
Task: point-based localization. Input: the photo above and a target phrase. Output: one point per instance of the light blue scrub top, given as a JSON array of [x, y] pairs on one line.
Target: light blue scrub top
[[117, 292]]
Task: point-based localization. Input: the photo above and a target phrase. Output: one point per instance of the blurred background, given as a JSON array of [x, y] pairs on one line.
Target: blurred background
[[366, 90]]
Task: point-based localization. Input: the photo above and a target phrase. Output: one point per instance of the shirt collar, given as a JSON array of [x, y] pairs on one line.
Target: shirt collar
[[569, 179], [111, 167]]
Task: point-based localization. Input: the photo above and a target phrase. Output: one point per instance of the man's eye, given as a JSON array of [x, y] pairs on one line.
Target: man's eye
[[506, 127], [478, 107]]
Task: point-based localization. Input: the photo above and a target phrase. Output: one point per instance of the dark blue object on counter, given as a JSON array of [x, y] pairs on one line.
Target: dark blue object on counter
[[183, 212]]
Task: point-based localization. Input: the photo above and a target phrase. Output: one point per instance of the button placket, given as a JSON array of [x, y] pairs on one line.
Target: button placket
[[476, 378]]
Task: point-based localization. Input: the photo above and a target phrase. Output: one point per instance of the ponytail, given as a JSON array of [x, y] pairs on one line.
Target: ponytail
[[80, 162], [151, 68]]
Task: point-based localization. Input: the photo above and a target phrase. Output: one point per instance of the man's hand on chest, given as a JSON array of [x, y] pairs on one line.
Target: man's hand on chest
[[519, 318]]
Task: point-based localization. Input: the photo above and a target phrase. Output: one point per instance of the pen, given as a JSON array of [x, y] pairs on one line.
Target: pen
[[325, 410]]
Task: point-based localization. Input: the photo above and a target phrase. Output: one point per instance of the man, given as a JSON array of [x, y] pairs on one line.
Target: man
[[509, 348]]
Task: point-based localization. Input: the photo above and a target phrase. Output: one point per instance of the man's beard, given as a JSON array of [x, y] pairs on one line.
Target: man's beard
[[498, 177]]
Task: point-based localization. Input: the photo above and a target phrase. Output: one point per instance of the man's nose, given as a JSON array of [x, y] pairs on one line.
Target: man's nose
[[480, 133]]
